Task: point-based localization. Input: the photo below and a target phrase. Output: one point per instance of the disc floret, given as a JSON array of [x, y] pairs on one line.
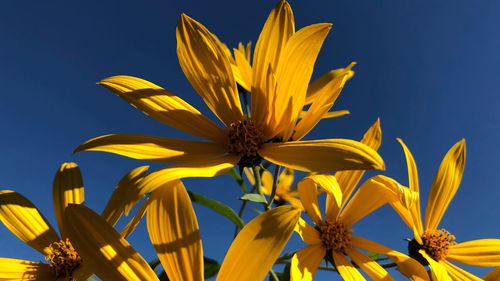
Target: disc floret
[[63, 258]]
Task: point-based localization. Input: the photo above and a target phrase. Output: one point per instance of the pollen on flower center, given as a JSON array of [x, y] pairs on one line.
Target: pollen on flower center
[[436, 244], [335, 236], [63, 258], [245, 139]]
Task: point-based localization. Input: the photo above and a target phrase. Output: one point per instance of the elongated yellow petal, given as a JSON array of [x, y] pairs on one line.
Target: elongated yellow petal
[[484, 252], [335, 114], [244, 77], [322, 103], [305, 262], [102, 248], [125, 195], [210, 167], [24, 220], [371, 267], [445, 184], [163, 106], [414, 186], [322, 155], [15, 270], [67, 189], [406, 265], [174, 232], [493, 275], [278, 28], [456, 273], [321, 85], [285, 179], [369, 197], [263, 239], [208, 69], [345, 268], [308, 191], [438, 271], [348, 180], [294, 71], [152, 148], [136, 219], [308, 233]]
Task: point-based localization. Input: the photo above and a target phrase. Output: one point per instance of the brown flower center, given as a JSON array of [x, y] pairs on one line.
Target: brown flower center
[[437, 243], [244, 139], [63, 258], [335, 236]]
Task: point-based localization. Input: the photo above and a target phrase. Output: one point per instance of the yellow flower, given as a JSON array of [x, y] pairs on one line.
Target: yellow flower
[[436, 246], [283, 64], [493, 275], [284, 190], [332, 237], [24, 220], [174, 232]]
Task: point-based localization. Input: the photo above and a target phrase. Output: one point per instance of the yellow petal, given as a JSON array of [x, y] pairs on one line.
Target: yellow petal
[[152, 148], [345, 268], [262, 239], [103, 250], [348, 180], [174, 232], [323, 101], [456, 273], [14, 269], [445, 184], [277, 30], [406, 265], [371, 267], [335, 114], [493, 275], [24, 220], [308, 192], [67, 189], [208, 69], [285, 179], [320, 85], [484, 252], [208, 168], [438, 271], [136, 219], [322, 155], [308, 233], [124, 196], [414, 186], [294, 71], [305, 263], [163, 106], [244, 77], [369, 197]]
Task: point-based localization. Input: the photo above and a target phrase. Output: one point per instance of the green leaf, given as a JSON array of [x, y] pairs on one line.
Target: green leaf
[[217, 207], [211, 267], [254, 197], [373, 256]]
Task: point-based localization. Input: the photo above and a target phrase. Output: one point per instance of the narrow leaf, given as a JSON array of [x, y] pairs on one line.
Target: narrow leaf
[[217, 207], [258, 198]]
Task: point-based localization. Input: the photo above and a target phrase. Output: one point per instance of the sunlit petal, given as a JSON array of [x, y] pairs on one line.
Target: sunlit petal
[[456, 273], [208, 69], [445, 184], [14, 269], [484, 252], [305, 262], [308, 233], [371, 267], [321, 85], [322, 155], [262, 239], [24, 220], [67, 189], [102, 248], [136, 219], [174, 232], [493, 275], [308, 192], [163, 106], [346, 269], [438, 271]]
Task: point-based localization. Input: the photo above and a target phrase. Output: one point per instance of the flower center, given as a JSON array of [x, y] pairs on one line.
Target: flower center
[[63, 259], [245, 139], [335, 236], [436, 244]]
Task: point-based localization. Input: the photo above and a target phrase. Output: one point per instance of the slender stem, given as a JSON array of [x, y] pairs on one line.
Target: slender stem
[[273, 275], [241, 183], [240, 213], [258, 183], [275, 186]]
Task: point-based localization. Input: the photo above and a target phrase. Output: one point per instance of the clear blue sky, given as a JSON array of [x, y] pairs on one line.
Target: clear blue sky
[[428, 70]]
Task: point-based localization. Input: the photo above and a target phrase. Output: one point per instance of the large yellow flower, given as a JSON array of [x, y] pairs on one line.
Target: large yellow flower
[[24, 220], [283, 65], [174, 232], [331, 237], [436, 246]]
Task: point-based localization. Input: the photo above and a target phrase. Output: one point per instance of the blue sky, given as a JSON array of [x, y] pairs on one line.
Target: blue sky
[[428, 70]]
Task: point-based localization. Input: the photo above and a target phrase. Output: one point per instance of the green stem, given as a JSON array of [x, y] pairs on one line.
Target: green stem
[[275, 186], [273, 275]]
